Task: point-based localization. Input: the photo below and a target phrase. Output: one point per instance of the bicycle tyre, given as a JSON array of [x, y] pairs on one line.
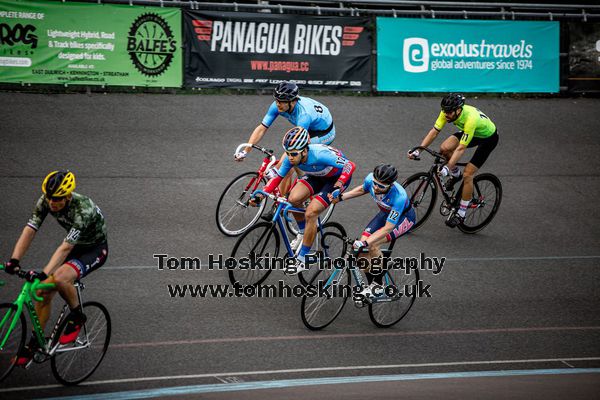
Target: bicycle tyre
[[98, 329], [246, 246], [312, 306], [16, 339], [326, 245], [234, 193], [481, 185], [417, 187], [388, 314]]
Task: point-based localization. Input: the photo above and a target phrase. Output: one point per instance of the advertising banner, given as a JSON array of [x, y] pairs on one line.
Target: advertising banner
[[431, 55], [89, 44], [584, 56], [251, 50]]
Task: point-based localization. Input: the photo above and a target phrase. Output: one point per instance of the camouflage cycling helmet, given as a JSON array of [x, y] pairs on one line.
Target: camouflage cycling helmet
[[59, 184], [452, 101], [286, 91]]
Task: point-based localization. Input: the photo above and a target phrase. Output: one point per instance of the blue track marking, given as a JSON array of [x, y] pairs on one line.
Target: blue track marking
[[234, 387]]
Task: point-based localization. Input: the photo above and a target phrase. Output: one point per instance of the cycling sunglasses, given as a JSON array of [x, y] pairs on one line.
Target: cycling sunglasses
[[293, 153], [380, 185], [55, 199]]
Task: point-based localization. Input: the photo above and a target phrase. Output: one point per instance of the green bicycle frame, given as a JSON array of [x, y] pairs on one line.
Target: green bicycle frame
[[25, 299]]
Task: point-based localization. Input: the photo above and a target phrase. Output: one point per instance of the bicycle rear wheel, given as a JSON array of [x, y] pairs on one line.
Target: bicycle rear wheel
[[422, 191], [234, 216], [487, 196], [15, 340], [262, 240], [75, 362], [318, 310], [392, 309]]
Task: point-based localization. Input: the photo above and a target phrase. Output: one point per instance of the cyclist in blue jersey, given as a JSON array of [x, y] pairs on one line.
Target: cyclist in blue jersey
[[300, 111], [395, 218], [326, 169]]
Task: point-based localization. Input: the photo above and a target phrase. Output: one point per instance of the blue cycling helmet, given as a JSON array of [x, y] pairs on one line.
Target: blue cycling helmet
[[296, 138]]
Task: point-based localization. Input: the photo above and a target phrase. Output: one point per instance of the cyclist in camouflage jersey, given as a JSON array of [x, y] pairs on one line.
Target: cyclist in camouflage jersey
[[83, 250]]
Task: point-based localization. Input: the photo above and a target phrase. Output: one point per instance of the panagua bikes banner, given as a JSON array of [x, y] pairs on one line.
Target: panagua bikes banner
[[89, 44], [434, 55], [245, 50]]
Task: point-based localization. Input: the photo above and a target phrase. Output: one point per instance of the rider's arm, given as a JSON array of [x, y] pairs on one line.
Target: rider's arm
[[23, 243], [347, 172], [468, 133], [433, 132], [286, 166], [256, 136], [59, 256], [355, 192], [380, 235]]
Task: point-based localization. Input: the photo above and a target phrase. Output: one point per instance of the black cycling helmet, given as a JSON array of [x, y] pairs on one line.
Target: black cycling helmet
[[385, 173], [286, 91], [452, 101]]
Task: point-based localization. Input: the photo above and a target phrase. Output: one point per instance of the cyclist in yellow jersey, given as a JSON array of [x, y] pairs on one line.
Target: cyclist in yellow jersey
[[476, 129]]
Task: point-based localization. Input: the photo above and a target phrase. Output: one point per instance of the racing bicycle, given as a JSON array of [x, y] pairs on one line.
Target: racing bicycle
[[263, 240], [390, 304], [423, 188], [71, 363], [234, 215]]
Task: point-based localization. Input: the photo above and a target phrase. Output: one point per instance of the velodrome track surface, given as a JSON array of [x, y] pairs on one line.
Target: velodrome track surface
[[522, 295]]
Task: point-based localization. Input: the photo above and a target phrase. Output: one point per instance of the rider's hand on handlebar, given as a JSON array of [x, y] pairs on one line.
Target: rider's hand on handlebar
[[239, 156], [360, 244], [413, 154], [255, 200], [334, 196], [33, 275], [12, 266]]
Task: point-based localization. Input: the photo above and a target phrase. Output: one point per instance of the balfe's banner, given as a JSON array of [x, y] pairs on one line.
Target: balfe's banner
[[467, 55], [584, 56], [89, 44], [245, 50]]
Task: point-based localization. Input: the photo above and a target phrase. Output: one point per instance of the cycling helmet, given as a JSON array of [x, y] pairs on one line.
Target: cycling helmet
[[296, 138], [452, 101], [59, 184], [286, 91], [385, 173]]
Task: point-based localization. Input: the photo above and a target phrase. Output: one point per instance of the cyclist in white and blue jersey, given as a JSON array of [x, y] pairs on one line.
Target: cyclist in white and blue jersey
[[326, 169], [395, 218]]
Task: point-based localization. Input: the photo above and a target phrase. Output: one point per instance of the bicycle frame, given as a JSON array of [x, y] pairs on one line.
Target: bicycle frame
[[268, 161], [284, 206]]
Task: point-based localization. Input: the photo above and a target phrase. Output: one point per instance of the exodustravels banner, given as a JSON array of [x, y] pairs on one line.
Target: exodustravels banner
[[467, 55], [90, 44], [246, 50]]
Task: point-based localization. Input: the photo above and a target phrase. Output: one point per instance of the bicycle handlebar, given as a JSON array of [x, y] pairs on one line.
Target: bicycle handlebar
[[36, 285], [282, 200], [428, 150], [267, 152]]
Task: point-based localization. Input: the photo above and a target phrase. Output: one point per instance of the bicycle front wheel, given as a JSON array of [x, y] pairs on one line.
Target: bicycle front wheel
[[401, 288], [14, 340], [487, 196], [422, 192], [234, 216], [325, 297], [262, 240], [75, 362], [329, 244]]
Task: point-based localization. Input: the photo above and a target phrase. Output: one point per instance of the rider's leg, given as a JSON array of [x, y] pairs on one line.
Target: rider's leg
[[312, 214], [448, 146], [44, 308], [64, 278], [300, 192]]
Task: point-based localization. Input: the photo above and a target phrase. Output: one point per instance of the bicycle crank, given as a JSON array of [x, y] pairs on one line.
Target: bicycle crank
[[445, 209]]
